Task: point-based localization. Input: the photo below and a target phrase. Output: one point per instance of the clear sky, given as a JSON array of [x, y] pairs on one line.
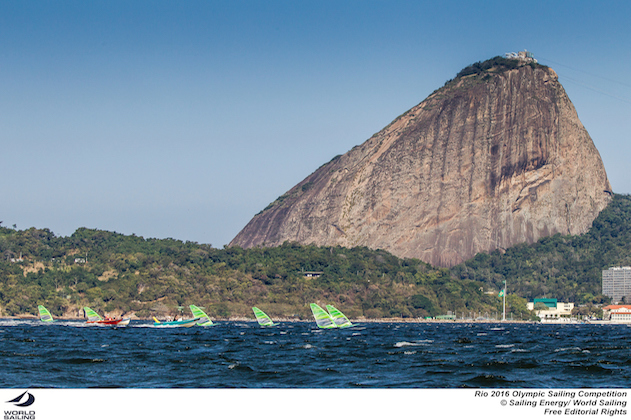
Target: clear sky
[[184, 119]]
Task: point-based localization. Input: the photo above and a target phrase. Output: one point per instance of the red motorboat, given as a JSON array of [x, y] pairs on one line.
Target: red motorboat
[[94, 318], [120, 322]]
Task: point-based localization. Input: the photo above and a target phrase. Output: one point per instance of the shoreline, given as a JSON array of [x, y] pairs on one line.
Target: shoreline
[[356, 320], [364, 320]]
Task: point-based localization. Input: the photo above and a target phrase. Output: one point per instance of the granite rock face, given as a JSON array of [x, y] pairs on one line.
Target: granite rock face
[[486, 162]]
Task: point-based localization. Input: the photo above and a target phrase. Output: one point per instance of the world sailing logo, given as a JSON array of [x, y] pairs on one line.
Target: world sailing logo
[[29, 400], [23, 400]]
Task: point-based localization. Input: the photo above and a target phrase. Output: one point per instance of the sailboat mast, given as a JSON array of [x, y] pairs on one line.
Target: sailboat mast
[[504, 310]]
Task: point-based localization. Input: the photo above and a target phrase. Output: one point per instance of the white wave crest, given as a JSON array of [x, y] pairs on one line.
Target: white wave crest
[[417, 343], [567, 349]]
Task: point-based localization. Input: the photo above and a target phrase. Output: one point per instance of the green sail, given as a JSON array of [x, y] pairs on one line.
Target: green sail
[[204, 320], [338, 317], [322, 318], [91, 315], [262, 318], [44, 315]]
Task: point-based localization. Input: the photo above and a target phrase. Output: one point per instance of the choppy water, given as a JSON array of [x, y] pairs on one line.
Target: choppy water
[[298, 355]]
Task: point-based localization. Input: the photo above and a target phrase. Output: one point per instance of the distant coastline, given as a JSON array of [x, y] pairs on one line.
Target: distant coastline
[[368, 321]]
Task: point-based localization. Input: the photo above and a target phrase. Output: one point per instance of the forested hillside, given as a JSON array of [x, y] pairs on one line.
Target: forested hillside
[[568, 268], [119, 274]]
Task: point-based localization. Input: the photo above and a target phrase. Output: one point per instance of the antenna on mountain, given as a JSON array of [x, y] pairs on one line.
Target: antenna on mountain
[[525, 56]]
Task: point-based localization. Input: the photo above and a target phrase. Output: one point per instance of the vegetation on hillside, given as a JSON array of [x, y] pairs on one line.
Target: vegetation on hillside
[[568, 268], [113, 272], [496, 64], [117, 273]]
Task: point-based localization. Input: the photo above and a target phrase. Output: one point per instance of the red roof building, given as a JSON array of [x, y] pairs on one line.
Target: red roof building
[[620, 313]]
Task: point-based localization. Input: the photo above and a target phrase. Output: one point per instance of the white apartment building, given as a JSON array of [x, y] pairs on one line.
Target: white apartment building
[[617, 283]]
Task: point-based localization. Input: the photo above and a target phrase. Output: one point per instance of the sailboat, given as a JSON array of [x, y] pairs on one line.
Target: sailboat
[[338, 317], [94, 318], [204, 320], [262, 318], [44, 315], [322, 317]]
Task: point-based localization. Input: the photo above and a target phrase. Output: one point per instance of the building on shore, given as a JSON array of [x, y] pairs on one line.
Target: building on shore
[[617, 313], [617, 283], [554, 310]]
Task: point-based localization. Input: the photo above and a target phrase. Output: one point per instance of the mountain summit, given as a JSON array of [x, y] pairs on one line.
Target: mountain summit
[[494, 158]]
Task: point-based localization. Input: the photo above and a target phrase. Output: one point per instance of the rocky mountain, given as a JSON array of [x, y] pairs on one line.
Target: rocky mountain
[[496, 157]]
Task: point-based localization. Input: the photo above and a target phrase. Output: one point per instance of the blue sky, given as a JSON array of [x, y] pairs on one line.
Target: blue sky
[[185, 119]]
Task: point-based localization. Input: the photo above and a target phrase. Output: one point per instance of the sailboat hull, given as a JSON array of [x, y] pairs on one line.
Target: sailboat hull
[[121, 322]]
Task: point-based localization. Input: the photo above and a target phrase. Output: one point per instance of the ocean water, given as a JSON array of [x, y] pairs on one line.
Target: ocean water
[[70, 354]]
